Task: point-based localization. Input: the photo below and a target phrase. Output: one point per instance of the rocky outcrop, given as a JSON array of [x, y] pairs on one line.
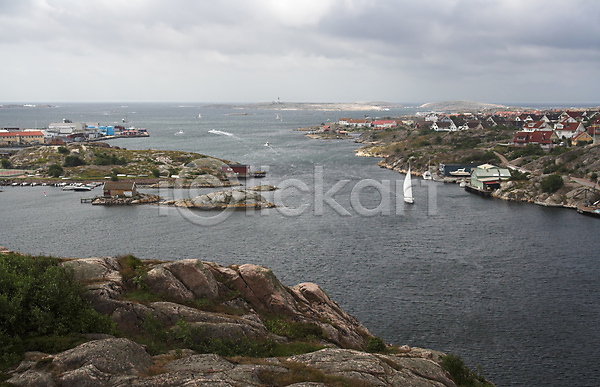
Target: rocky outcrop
[[115, 362], [245, 294], [138, 199], [231, 199]]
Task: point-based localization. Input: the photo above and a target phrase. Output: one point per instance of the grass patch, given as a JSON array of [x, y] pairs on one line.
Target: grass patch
[[159, 339], [292, 329], [298, 372]]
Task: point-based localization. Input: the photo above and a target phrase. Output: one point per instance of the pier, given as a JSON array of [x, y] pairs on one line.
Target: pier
[[475, 190]]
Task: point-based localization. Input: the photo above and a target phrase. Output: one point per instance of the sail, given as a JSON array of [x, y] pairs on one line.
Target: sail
[[408, 196]]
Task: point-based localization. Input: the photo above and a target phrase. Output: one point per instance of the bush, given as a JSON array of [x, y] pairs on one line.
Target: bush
[[63, 150], [461, 374], [73, 161], [38, 298], [516, 175], [552, 183], [106, 159], [375, 344], [55, 170], [6, 163]]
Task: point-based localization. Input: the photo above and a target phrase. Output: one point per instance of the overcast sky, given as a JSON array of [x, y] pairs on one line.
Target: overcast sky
[[300, 50]]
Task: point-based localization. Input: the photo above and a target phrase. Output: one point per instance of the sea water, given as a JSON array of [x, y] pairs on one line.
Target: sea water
[[514, 288]]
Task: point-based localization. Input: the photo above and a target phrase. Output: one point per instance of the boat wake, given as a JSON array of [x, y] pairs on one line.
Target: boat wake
[[220, 132]]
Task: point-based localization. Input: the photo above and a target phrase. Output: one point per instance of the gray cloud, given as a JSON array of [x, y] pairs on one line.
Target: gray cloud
[[309, 50]]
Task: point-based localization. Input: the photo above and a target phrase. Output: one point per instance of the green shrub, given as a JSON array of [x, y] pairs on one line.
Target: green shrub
[[461, 374], [375, 344], [73, 161], [106, 159], [516, 175], [38, 298], [55, 170], [552, 183], [63, 150], [6, 163]]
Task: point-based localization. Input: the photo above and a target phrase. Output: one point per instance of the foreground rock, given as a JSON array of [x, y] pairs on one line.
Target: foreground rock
[[128, 364], [245, 296]]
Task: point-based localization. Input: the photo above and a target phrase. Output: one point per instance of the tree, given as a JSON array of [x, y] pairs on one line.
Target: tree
[[594, 177], [55, 170], [6, 163], [552, 183], [63, 150]]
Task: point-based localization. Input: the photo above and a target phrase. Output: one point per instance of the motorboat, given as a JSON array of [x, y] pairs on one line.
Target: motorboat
[[76, 187], [461, 172]]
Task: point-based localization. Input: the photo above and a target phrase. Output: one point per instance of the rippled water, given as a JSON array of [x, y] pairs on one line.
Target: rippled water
[[512, 287]]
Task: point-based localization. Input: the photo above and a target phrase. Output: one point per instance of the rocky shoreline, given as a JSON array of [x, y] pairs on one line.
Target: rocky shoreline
[[570, 196], [242, 298]]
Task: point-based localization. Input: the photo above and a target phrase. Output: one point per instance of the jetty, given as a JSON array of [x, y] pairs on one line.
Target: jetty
[[589, 211]]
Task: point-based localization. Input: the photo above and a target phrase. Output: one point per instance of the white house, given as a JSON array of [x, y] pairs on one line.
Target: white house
[[568, 130]]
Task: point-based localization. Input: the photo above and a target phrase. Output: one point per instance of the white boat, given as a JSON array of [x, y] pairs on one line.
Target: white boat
[[267, 144], [427, 174], [199, 115], [460, 172], [180, 132], [408, 196], [76, 187]]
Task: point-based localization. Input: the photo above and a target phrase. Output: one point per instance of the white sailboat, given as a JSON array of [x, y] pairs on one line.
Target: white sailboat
[[408, 196]]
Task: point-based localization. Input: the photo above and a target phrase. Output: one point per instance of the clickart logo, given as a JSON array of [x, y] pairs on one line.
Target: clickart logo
[[207, 192]]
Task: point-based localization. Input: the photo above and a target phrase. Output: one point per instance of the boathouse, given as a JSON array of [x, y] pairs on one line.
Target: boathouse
[[487, 177], [119, 188]]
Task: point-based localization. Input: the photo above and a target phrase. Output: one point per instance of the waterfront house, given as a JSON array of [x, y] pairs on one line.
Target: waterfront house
[[240, 170], [487, 177], [119, 188]]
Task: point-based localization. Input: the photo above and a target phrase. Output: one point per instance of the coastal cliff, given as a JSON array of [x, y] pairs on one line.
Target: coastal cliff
[[197, 302]]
